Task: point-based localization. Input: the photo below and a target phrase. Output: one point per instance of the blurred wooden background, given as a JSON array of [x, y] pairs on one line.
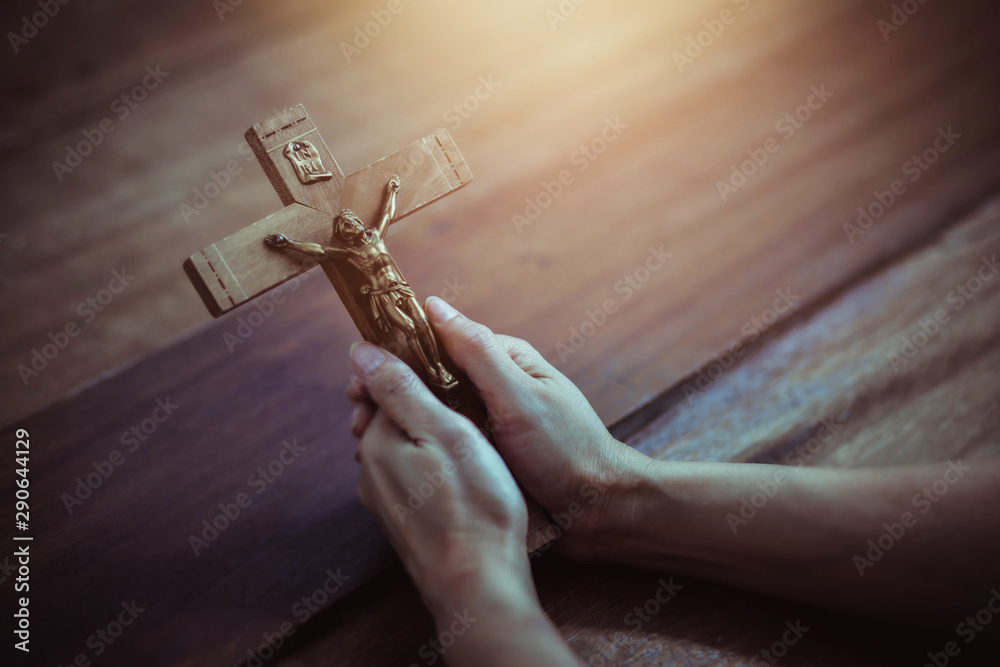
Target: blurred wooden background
[[554, 87], [656, 184]]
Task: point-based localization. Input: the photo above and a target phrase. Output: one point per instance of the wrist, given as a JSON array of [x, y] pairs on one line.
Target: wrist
[[614, 492], [655, 510], [505, 606], [625, 499], [494, 617], [668, 511], [485, 578]]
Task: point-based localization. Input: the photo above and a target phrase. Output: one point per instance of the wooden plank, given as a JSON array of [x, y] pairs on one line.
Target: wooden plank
[[832, 364], [851, 363], [704, 625], [302, 517]]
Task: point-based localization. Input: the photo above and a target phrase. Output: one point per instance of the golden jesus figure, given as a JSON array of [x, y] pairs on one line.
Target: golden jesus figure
[[394, 306]]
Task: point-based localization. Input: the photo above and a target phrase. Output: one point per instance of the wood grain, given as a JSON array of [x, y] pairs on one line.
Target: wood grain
[[245, 389], [655, 184], [866, 363]]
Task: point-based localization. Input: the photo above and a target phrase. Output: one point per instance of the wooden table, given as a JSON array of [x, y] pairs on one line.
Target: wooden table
[[679, 133]]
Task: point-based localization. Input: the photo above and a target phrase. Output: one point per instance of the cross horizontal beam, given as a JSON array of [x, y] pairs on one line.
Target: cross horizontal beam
[[240, 267]]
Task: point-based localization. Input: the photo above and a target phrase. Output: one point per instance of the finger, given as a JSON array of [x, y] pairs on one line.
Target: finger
[[363, 409], [384, 471], [475, 349], [378, 446], [356, 389], [361, 417], [386, 455], [398, 392], [359, 429]]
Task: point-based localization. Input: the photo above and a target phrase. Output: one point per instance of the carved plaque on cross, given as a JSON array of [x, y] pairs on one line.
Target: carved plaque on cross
[[340, 222]]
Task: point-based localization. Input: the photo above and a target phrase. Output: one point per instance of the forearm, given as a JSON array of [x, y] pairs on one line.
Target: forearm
[[803, 533], [493, 619], [388, 211], [501, 634], [314, 250]]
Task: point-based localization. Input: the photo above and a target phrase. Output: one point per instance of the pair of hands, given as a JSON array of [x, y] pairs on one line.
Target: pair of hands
[[445, 497], [462, 541]]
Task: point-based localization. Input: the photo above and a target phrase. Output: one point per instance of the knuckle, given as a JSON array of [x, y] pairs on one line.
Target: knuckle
[[477, 337], [460, 444], [522, 344], [396, 381], [522, 348], [458, 431], [514, 341]]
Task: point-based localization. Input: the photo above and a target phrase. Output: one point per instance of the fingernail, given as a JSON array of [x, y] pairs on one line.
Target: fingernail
[[439, 310], [367, 357], [355, 413]]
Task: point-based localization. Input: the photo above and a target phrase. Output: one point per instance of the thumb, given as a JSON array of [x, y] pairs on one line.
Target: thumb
[[476, 350]]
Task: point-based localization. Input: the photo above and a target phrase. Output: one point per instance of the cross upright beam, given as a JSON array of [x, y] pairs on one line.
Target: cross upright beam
[[313, 179]]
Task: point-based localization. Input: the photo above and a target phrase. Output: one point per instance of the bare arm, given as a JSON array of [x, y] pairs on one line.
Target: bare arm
[[389, 208], [915, 543], [314, 250]]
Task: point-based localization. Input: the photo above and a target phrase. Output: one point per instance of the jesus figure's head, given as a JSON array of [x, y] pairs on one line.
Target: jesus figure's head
[[348, 228]]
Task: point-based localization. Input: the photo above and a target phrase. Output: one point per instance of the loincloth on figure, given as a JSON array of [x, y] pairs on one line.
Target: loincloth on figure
[[381, 299]]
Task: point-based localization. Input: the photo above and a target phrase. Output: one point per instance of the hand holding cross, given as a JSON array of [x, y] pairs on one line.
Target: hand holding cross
[[313, 189]]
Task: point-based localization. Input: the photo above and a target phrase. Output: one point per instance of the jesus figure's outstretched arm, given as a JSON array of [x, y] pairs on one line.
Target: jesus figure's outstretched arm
[[389, 208], [315, 250]]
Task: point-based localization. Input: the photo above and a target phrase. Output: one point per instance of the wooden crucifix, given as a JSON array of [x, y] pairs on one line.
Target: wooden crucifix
[[341, 222], [320, 200]]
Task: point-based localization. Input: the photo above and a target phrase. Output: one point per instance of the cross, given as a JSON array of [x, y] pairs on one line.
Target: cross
[[319, 200], [355, 211]]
